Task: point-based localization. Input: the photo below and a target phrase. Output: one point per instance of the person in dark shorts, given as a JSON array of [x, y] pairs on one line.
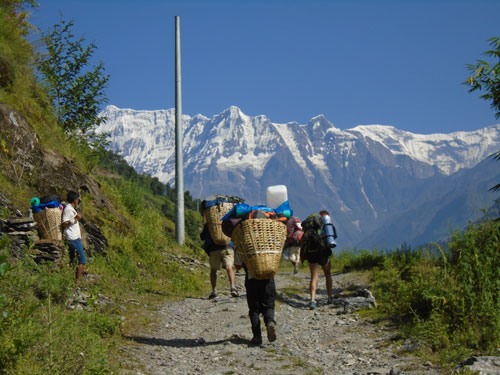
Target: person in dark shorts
[[261, 295], [314, 250], [70, 219]]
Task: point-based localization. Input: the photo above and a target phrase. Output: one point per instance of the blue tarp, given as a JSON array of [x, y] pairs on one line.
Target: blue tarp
[[40, 207], [241, 209]]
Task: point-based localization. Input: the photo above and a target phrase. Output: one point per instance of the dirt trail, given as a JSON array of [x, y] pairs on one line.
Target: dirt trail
[[201, 336]]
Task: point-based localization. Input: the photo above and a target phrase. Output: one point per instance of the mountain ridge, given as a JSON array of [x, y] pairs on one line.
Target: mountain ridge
[[365, 175]]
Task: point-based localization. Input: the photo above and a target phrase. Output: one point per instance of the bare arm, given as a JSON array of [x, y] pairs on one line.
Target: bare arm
[[65, 224]]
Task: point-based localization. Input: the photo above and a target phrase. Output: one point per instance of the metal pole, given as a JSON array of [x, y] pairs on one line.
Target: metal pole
[[179, 167]]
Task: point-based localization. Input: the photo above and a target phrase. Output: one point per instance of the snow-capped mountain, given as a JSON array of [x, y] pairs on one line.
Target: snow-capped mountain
[[366, 176]]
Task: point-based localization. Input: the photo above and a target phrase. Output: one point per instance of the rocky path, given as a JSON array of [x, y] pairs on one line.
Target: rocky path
[[201, 336]]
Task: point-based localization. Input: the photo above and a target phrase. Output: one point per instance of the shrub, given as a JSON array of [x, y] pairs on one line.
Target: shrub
[[451, 302]]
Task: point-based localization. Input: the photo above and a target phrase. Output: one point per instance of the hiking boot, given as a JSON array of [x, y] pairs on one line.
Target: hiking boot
[[213, 294], [256, 341], [296, 268], [234, 292], [330, 300], [313, 305], [271, 331]]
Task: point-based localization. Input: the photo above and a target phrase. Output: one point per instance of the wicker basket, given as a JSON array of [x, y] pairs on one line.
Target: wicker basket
[[49, 223], [213, 216], [259, 243]]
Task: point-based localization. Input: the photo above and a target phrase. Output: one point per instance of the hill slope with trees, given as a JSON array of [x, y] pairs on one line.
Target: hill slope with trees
[[50, 149]]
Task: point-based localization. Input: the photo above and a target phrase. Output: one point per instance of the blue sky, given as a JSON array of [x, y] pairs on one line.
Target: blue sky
[[398, 63]]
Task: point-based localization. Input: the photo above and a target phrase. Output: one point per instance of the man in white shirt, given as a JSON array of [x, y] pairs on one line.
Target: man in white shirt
[[71, 228]]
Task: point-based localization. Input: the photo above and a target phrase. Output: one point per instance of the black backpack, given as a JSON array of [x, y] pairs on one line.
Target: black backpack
[[312, 222], [312, 242]]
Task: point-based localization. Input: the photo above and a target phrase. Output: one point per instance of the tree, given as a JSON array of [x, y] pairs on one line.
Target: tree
[[486, 77], [76, 89]]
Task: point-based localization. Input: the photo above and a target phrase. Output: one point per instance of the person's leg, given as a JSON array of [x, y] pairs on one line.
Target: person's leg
[[253, 309], [238, 264], [267, 302], [328, 276], [230, 275], [294, 254], [214, 261], [79, 273], [213, 278], [82, 259], [228, 263], [267, 297], [72, 254], [314, 268]]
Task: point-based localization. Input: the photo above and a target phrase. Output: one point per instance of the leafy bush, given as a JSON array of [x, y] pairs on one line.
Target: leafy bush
[[451, 302], [475, 264]]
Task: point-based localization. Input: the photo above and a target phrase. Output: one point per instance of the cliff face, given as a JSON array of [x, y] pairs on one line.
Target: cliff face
[[28, 165]]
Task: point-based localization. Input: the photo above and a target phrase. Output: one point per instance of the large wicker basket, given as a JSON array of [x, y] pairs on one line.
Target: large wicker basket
[[213, 216], [49, 223], [259, 243]]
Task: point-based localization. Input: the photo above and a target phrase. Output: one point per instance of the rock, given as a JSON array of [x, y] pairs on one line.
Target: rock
[[358, 303], [395, 371], [486, 365], [410, 346], [361, 299], [22, 232], [96, 240], [47, 251]]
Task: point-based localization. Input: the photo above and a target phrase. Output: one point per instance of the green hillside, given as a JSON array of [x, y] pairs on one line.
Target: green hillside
[[39, 310]]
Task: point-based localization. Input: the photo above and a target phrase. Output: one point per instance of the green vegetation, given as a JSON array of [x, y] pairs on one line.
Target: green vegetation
[[163, 194], [40, 311], [36, 332], [357, 260], [4, 267], [449, 301], [486, 77], [77, 91]]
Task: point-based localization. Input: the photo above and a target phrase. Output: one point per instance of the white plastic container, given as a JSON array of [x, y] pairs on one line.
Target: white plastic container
[[275, 195]]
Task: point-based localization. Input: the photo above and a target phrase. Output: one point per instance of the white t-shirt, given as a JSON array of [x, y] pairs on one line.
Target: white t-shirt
[[72, 231]]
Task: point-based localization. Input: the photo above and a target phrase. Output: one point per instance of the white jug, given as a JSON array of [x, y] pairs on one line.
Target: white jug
[[275, 195]]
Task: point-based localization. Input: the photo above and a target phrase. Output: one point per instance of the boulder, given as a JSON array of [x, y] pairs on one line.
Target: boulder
[[486, 365], [361, 299]]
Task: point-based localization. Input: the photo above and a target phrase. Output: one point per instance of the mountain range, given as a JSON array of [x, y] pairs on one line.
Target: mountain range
[[383, 186]]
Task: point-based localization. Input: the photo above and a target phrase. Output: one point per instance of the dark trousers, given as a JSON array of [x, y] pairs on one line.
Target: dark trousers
[[260, 298]]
